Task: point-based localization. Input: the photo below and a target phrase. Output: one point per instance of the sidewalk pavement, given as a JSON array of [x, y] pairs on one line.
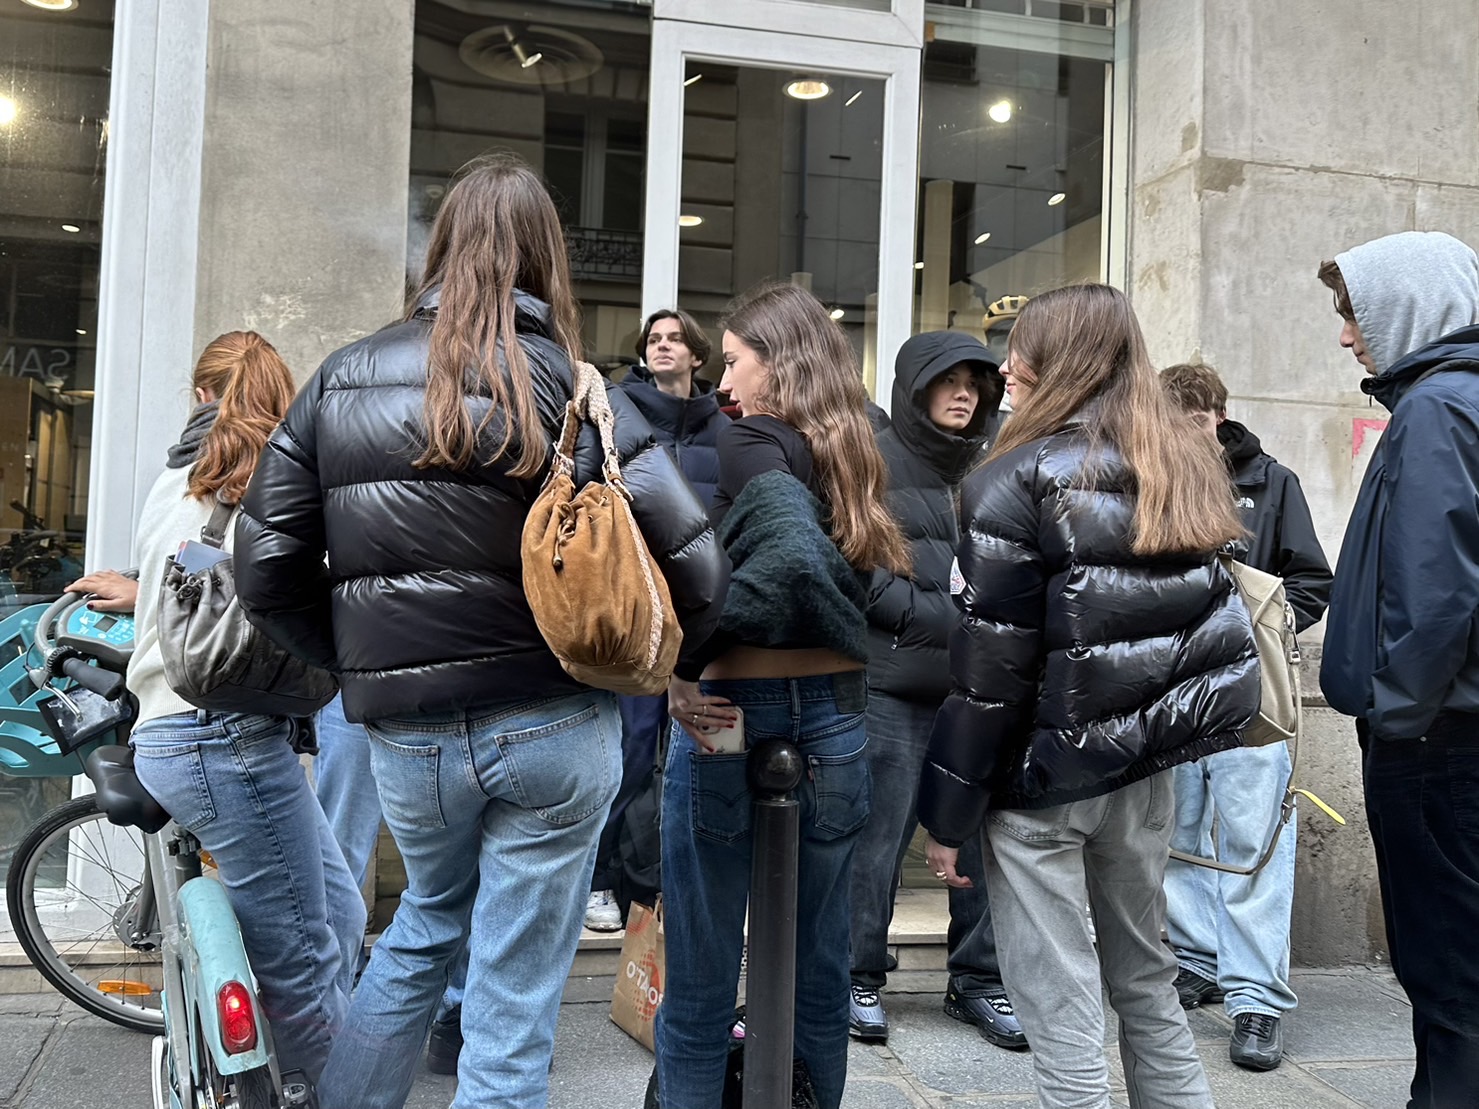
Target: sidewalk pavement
[[1348, 1044]]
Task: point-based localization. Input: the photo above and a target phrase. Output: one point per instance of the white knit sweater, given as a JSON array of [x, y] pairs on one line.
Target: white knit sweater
[[170, 517]]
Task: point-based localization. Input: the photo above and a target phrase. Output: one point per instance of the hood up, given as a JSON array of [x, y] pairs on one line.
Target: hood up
[[924, 358]]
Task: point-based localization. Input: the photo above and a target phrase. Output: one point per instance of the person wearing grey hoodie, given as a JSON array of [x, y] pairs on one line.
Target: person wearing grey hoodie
[[946, 397], [1402, 635]]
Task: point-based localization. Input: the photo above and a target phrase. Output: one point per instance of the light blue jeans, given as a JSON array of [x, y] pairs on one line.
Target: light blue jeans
[[346, 790], [235, 781], [496, 816], [706, 859], [1234, 929]]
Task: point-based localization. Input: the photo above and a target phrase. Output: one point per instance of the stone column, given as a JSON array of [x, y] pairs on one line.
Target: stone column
[[1269, 136]]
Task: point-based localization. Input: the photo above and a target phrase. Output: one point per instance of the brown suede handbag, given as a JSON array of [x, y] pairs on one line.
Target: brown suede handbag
[[599, 599]]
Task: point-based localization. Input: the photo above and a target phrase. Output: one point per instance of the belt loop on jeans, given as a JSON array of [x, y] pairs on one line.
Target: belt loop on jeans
[[200, 716]]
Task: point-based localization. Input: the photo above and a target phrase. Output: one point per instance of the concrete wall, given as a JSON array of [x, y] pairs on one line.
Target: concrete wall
[[1267, 137], [306, 159]]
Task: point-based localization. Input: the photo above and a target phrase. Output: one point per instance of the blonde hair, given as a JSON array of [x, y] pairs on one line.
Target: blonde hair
[[814, 385], [1084, 344], [254, 387]]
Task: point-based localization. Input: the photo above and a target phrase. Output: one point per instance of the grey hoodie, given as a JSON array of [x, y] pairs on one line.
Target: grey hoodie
[[1407, 289]]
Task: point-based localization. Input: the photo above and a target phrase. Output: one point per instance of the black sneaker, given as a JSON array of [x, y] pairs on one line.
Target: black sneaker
[[866, 1020], [1257, 1041], [1193, 990], [991, 1012], [445, 1043]]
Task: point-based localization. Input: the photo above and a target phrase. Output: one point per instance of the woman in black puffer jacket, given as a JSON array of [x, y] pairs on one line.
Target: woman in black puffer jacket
[[1102, 643], [412, 459]]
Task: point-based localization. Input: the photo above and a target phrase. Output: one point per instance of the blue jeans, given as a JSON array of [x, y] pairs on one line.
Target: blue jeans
[[1233, 929], [898, 740], [234, 780], [496, 816], [706, 881], [346, 790]]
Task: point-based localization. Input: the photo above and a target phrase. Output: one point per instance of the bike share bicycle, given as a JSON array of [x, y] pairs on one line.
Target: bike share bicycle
[[173, 961]]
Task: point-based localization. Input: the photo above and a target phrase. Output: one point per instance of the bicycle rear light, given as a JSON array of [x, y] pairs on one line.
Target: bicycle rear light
[[238, 1021]]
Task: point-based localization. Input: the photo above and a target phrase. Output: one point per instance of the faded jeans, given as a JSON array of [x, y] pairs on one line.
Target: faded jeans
[[496, 816], [1041, 866], [234, 780], [1233, 929]]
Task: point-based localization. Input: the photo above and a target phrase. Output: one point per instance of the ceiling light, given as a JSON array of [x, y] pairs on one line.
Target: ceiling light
[[808, 90], [695, 79], [919, 265], [837, 313], [1056, 199], [853, 99], [9, 109], [687, 220], [1001, 111], [53, 5], [80, 331], [982, 237], [532, 59], [71, 228]]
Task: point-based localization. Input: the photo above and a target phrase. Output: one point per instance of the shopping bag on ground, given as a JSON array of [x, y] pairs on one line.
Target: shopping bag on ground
[[640, 975]]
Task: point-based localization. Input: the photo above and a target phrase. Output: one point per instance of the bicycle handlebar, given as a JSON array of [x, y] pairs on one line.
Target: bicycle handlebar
[[105, 683]]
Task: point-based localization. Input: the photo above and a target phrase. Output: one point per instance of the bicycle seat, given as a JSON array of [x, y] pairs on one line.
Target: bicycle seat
[[121, 797]]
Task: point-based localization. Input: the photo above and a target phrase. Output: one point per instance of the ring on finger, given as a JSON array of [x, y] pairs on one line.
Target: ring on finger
[[940, 874]]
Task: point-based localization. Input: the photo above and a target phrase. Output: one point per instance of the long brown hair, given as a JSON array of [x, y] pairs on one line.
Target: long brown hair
[[814, 385], [1084, 344], [254, 388], [496, 232]]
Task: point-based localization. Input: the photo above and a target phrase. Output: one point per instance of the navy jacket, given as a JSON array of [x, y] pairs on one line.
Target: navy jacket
[[689, 429], [910, 618], [1077, 666], [1283, 539], [1402, 636]]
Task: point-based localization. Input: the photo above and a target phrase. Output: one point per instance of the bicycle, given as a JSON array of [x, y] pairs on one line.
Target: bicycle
[[189, 981]]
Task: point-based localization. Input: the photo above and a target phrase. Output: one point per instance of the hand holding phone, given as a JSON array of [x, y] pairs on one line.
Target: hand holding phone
[[726, 739]]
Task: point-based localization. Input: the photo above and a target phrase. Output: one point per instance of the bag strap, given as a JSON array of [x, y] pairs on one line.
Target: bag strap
[[214, 532], [589, 403]]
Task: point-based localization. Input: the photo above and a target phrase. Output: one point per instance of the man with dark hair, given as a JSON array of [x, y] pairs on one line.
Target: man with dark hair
[[683, 410], [1402, 639], [1230, 932]]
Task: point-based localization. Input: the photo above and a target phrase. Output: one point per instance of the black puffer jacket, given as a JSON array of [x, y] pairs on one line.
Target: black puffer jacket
[[1078, 667], [910, 618], [421, 606], [688, 428]]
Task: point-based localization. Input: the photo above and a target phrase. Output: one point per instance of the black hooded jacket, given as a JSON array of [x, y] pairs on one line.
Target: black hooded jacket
[[688, 428], [420, 607], [1078, 667], [1282, 534], [910, 618]]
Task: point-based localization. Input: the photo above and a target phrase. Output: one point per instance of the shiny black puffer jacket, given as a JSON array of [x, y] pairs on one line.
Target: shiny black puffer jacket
[[1078, 666], [421, 607]]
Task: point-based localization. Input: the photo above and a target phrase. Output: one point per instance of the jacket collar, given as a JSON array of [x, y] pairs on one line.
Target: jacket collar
[[531, 315], [1459, 350]]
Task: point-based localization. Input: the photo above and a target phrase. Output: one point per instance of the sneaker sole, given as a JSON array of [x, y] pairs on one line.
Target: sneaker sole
[[603, 926], [990, 1035], [438, 1063], [1214, 998], [868, 1033], [1256, 1064]]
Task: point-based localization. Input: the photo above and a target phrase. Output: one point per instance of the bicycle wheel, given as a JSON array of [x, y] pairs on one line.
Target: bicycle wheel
[[253, 1089], [72, 893]]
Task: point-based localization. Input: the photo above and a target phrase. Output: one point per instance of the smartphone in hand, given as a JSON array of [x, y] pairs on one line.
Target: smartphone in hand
[[727, 739]]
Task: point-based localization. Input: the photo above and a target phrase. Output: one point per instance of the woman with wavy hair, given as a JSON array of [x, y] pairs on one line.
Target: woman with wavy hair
[[412, 459], [1102, 643], [800, 511], [234, 779]]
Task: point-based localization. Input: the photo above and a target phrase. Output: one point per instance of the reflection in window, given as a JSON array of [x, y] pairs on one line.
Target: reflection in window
[[54, 78], [565, 88]]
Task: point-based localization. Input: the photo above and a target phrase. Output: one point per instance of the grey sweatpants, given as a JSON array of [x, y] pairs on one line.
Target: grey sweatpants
[[1041, 867]]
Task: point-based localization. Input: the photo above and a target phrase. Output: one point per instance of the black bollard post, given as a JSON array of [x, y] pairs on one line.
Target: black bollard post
[[773, 769]]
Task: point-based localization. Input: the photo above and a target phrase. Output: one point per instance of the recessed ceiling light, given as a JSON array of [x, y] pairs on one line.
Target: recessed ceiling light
[[837, 313], [9, 109], [71, 228], [808, 90], [1001, 111], [982, 237], [80, 331], [919, 265], [695, 79], [853, 99], [686, 220], [53, 5], [1057, 198]]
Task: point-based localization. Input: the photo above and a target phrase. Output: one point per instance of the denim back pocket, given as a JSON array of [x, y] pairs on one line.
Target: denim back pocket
[[407, 777], [844, 792], [721, 796], [563, 771], [174, 773]]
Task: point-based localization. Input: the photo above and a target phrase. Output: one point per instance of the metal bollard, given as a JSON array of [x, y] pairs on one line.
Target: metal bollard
[[773, 770]]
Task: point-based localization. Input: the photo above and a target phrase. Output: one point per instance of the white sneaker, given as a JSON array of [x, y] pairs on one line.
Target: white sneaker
[[602, 914]]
